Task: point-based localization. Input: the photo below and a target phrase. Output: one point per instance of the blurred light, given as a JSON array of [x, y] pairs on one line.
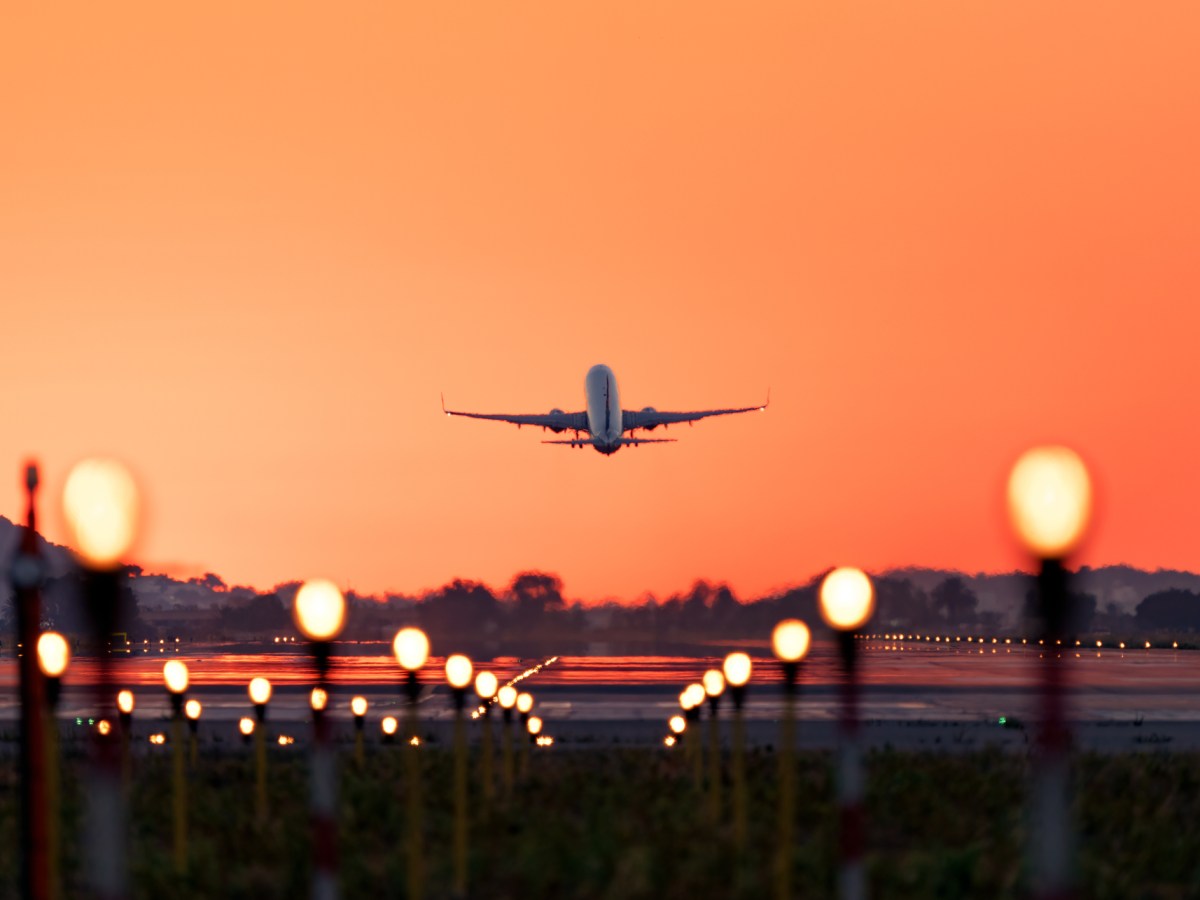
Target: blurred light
[[389, 725], [158, 738], [507, 696], [175, 676], [677, 724], [246, 726], [53, 654], [459, 671], [125, 701], [847, 599], [737, 669], [534, 725], [485, 685], [1122, 645], [192, 709], [695, 695], [415, 741], [260, 691], [714, 683], [1049, 501], [100, 503], [285, 740], [319, 610], [358, 706], [669, 740], [524, 702], [1147, 645], [103, 727], [411, 648], [318, 699]]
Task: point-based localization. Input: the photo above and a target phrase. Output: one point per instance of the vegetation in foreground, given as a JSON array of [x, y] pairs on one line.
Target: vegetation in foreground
[[629, 823]]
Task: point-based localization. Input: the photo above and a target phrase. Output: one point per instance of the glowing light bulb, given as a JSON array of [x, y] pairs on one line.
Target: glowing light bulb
[[175, 676], [714, 683], [320, 610], [411, 648], [318, 699], [358, 706], [100, 503], [1050, 501], [524, 702], [125, 702], [507, 696], [737, 669], [790, 640], [534, 725], [669, 740], [847, 599], [260, 691], [695, 695], [486, 685], [192, 709], [53, 654], [677, 724], [103, 727], [459, 671], [246, 726], [389, 725]]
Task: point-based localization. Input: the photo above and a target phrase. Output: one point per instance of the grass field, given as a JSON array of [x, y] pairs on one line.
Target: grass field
[[629, 823]]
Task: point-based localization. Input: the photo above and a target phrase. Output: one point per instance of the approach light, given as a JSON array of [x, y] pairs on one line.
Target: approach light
[[486, 685], [125, 702], [175, 676], [458, 671], [100, 504], [790, 640], [507, 696], [389, 725], [847, 599], [246, 726], [714, 683], [260, 691], [358, 706], [53, 654], [524, 703], [534, 725], [737, 669], [411, 648], [319, 610], [1050, 501], [192, 709], [677, 724], [695, 695], [318, 699]]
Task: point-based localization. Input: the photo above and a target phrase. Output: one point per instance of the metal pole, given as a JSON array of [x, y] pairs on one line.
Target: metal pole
[[694, 746], [1052, 839], [714, 762], [787, 782], [460, 795], [852, 881], [178, 784], [416, 862], [324, 792], [508, 754], [260, 762], [53, 790], [738, 693], [27, 574], [486, 762]]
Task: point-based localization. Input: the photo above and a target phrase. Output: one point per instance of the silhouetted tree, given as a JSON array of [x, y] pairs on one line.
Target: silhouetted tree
[[1174, 609], [956, 602]]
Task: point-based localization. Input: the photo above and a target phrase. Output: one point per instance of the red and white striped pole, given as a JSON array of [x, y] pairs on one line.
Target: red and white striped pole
[[1050, 503], [320, 614], [847, 601]]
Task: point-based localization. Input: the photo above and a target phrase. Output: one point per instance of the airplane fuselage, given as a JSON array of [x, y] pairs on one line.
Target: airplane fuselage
[[603, 409]]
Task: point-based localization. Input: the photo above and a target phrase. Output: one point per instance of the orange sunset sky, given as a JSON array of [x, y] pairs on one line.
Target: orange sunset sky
[[244, 246]]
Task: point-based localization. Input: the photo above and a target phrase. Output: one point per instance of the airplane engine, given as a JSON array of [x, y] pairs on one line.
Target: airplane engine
[[557, 412], [649, 409]]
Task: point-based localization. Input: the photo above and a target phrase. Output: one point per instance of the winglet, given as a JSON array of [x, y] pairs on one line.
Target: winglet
[[763, 408], [443, 396]]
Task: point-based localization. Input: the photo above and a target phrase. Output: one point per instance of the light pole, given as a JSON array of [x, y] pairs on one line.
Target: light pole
[[358, 706], [507, 698], [192, 710], [388, 726], [411, 648], [100, 506], [175, 677], [53, 655], [789, 641], [246, 728], [320, 614], [847, 601], [690, 701], [458, 675], [486, 685], [1050, 503], [714, 686], [524, 708], [125, 703], [737, 675], [260, 695], [534, 727]]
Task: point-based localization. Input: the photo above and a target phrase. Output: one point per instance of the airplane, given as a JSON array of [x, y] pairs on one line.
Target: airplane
[[604, 420]]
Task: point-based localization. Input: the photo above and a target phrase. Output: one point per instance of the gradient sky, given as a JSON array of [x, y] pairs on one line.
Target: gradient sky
[[244, 246]]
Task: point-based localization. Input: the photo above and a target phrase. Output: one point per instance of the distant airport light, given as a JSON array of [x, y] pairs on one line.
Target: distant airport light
[[389, 726], [125, 702], [524, 703], [1050, 501], [175, 677], [320, 610], [459, 671], [507, 696], [318, 699], [246, 726], [677, 724], [411, 648], [486, 685], [790, 640], [847, 599], [358, 706], [100, 504], [260, 691], [669, 740], [53, 654], [737, 669], [104, 727], [714, 683]]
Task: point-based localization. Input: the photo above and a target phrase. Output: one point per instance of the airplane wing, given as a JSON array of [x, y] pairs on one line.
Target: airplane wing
[[651, 418], [556, 420]]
